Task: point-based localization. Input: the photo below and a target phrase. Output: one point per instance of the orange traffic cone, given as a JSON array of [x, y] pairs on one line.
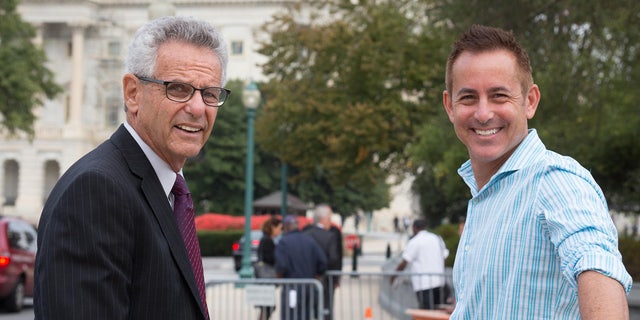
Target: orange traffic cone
[[368, 313]]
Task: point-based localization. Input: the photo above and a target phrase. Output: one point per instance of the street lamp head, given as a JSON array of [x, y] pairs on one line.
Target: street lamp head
[[251, 96]]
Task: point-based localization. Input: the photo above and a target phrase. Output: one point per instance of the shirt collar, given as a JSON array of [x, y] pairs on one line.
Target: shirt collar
[[530, 150], [164, 172]]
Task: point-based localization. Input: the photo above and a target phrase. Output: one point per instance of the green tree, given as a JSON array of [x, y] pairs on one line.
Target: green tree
[[585, 59], [614, 118], [345, 199], [23, 75], [438, 154], [217, 174], [348, 92]]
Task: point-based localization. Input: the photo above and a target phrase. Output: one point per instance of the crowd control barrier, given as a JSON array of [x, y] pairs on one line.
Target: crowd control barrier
[[359, 295]]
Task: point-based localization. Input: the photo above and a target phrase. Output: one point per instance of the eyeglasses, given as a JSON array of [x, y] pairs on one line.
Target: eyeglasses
[[183, 92]]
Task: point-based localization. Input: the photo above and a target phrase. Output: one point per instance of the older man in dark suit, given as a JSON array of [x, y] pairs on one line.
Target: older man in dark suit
[[321, 231], [117, 238]]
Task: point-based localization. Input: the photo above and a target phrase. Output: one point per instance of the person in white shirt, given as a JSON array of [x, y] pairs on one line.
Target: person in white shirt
[[425, 254]]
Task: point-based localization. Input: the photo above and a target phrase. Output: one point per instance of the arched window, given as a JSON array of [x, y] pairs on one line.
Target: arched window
[[11, 174], [51, 176]]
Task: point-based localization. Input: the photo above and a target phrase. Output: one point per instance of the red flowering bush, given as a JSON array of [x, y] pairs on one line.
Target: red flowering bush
[[217, 222]]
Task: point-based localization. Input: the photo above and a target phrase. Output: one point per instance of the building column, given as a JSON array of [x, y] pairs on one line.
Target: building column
[[30, 180], [38, 40], [73, 127]]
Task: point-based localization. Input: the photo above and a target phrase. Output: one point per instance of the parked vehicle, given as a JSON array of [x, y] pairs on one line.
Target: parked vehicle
[[17, 259], [236, 248]]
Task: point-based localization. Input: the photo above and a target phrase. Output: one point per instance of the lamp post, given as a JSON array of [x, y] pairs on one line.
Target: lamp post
[[284, 203], [251, 99]]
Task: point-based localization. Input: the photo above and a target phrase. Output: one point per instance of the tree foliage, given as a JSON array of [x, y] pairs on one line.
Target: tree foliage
[[345, 199], [438, 154], [347, 92], [217, 175], [354, 93], [585, 57], [23, 75]]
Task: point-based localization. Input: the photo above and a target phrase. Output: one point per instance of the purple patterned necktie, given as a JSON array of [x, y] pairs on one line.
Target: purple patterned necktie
[[183, 210]]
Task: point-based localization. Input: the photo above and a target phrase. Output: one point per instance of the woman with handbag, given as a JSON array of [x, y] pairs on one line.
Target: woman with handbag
[[264, 268]]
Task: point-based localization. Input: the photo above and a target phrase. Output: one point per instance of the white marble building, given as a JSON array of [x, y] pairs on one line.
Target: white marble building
[[85, 41]]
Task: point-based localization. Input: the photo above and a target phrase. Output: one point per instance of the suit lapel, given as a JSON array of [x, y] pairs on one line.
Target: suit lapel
[[157, 200]]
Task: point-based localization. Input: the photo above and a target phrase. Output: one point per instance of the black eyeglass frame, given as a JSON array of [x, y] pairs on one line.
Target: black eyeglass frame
[[223, 91]]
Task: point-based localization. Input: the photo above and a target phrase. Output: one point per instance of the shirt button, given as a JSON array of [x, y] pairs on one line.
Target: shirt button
[[467, 247]]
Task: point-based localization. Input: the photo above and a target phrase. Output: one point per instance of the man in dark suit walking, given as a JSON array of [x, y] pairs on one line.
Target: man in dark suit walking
[[330, 240], [298, 257], [116, 238]]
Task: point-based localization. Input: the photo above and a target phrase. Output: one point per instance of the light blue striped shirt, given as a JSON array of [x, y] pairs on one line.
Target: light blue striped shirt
[[530, 231]]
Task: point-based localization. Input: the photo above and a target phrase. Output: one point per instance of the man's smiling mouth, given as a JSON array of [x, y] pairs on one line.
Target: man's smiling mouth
[[187, 128], [486, 132]]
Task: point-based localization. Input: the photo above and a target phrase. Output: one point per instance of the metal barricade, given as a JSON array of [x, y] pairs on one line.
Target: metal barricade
[[253, 299], [359, 295], [372, 295]]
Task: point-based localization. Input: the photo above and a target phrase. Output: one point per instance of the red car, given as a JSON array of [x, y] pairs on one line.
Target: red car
[[17, 259]]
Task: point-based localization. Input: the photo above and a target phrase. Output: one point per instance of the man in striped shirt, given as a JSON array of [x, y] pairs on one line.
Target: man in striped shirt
[[538, 241]]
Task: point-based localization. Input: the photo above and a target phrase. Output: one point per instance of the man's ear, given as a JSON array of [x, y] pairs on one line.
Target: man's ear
[[446, 103], [131, 89], [533, 98]]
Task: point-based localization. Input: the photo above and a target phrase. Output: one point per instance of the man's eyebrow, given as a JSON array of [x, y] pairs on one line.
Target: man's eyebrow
[[464, 91], [499, 89]]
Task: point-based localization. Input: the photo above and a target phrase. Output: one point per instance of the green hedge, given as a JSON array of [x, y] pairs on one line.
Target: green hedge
[[629, 248], [218, 243], [449, 233]]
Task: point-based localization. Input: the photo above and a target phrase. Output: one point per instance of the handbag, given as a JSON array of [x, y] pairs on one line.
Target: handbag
[[264, 270]]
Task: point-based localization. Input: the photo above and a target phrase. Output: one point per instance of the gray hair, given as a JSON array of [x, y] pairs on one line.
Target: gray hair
[[321, 211], [143, 50]]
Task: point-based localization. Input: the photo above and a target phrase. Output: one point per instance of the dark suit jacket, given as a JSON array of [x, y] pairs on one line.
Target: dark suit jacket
[[298, 256], [267, 250], [338, 235], [108, 243], [329, 245]]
